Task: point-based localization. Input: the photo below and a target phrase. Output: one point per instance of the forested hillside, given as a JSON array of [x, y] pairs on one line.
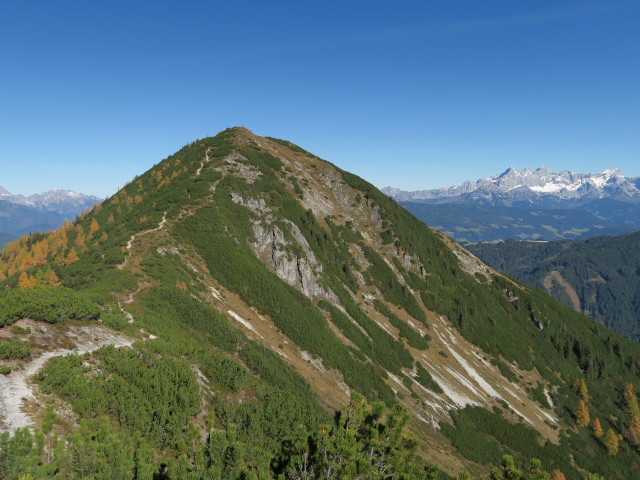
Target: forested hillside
[[598, 277], [255, 290], [467, 223]]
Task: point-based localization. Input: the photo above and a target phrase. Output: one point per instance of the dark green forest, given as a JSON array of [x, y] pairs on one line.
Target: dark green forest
[[603, 271]]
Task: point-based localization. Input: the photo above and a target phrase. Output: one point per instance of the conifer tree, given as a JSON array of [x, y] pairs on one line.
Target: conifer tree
[[557, 475], [611, 442], [597, 427], [631, 401], [582, 414], [25, 281], [633, 431], [580, 387], [507, 470], [94, 226], [71, 257]]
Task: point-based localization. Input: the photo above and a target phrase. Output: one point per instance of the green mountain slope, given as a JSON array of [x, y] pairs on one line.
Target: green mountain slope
[[598, 277], [258, 286]]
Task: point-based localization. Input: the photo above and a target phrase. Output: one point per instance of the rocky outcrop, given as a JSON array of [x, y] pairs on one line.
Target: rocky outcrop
[[287, 251]]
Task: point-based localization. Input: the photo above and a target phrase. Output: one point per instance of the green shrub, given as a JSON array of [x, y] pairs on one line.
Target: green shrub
[[14, 348], [48, 304]]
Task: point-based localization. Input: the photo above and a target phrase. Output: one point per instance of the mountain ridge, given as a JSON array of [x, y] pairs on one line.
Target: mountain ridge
[[269, 284], [20, 214], [539, 187]]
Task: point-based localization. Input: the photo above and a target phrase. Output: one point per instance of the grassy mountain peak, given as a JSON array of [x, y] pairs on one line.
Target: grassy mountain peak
[[265, 285]]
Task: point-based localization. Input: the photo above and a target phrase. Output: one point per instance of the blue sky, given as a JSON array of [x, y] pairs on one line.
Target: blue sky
[[410, 94]]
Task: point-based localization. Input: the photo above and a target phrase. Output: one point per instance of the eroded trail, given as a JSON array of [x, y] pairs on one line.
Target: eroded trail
[[202, 164], [136, 235], [17, 389]]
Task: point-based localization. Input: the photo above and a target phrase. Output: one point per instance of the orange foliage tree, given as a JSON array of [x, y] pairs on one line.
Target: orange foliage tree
[[597, 428], [631, 401], [611, 442], [582, 414]]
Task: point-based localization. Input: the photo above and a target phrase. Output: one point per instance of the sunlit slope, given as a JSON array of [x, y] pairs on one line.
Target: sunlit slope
[[270, 283]]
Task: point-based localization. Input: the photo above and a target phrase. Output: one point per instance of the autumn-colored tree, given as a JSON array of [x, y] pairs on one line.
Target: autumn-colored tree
[[633, 432], [557, 475], [80, 240], [580, 387], [71, 257], [53, 281], [611, 442], [25, 281], [143, 220], [137, 199], [104, 236], [94, 226], [597, 428], [631, 401], [182, 286], [582, 414], [110, 219]]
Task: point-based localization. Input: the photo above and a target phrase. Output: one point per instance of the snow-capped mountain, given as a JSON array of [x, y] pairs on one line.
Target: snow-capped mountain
[[64, 202], [20, 214], [539, 187]]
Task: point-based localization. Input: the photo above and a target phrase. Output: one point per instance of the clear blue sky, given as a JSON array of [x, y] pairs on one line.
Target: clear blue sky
[[410, 94]]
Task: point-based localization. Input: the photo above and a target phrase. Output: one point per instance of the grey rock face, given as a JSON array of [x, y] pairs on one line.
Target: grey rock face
[[288, 252]]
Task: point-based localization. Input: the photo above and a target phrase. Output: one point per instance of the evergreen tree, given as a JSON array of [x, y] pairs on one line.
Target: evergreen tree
[[507, 470], [362, 443]]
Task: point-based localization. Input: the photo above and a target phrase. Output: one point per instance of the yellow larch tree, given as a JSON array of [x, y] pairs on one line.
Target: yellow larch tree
[[80, 240], [582, 414], [597, 427], [94, 226], [631, 401], [71, 257], [53, 281], [580, 387], [25, 281], [557, 475], [611, 442]]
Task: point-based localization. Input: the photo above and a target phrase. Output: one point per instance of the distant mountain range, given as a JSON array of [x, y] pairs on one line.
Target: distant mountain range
[[21, 214], [530, 205], [540, 187]]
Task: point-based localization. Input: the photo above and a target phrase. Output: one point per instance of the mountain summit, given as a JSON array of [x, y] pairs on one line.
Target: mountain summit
[[539, 187], [253, 289]]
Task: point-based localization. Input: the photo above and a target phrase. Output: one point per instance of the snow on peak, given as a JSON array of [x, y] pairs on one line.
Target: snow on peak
[[541, 181]]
